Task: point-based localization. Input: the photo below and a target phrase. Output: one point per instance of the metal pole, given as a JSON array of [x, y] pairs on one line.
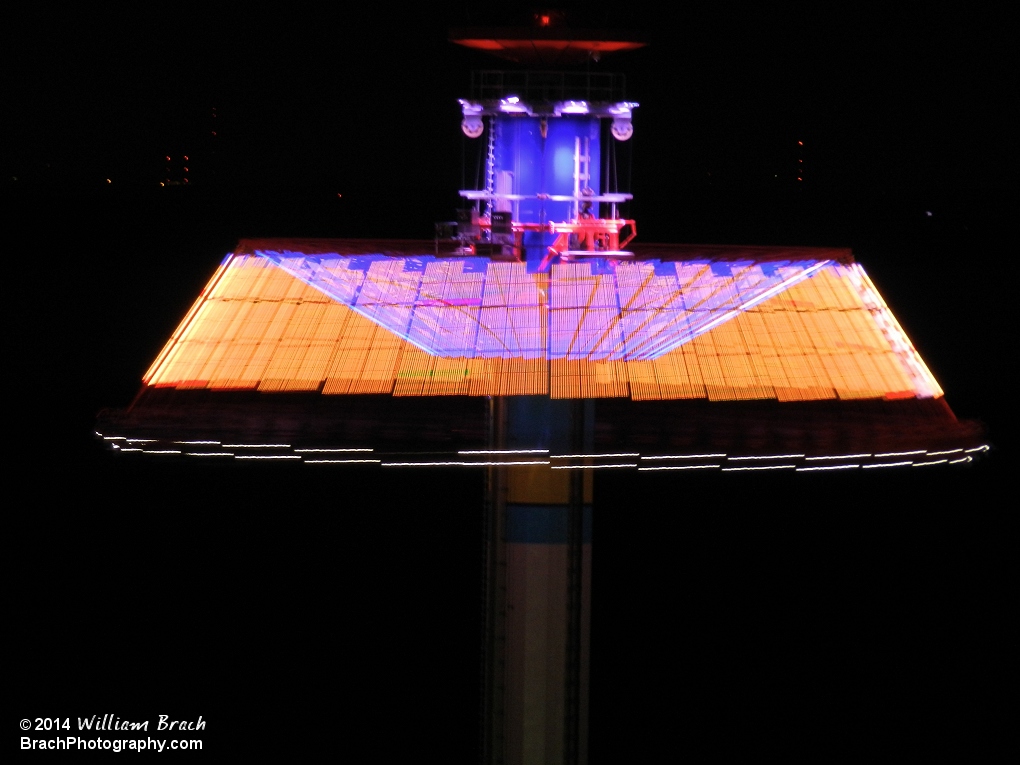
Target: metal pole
[[494, 595], [575, 560]]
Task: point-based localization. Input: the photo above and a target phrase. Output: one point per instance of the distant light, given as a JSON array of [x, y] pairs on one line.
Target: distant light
[[109, 181], [186, 158], [800, 143]]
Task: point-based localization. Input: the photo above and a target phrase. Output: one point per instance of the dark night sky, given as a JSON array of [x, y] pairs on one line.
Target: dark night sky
[[892, 100], [872, 608]]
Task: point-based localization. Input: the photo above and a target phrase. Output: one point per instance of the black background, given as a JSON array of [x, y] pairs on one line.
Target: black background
[[296, 610]]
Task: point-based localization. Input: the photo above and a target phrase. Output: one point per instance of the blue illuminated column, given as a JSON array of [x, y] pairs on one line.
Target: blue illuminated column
[[544, 166]]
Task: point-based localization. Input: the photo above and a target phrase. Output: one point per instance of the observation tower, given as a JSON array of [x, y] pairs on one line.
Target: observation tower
[[536, 338]]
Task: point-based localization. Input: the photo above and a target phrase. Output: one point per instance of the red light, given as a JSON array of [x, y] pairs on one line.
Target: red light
[[543, 21], [185, 158], [800, 143]]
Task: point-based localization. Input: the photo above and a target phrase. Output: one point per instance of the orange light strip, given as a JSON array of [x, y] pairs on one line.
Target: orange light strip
[[257, 327]]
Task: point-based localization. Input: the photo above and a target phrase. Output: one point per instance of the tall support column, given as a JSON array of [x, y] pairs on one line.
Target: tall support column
[[538, 576]]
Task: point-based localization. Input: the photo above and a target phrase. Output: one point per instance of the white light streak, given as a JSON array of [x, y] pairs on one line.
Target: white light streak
[[339, 462], [686, 457], [266, 457], [464, 464], [593, 456], [590, 467], [947, 451], [256, 446], [962, 459], [838, 457], [209, 454], [934, 462], [115, 438], [510, 462], [156, 451], [977, 449], [196, 443], [330, 451], [769, 457], [888, 464], [827, 467], [679, 467], [760, 467], [431, 464], [900, 454], [504, 451]]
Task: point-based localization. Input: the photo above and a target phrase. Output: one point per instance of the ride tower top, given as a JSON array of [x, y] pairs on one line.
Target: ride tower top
[[550, 187]]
